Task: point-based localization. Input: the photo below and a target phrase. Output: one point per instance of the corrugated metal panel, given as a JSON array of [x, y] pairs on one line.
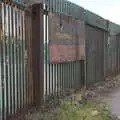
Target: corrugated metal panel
[[94, 54], [112, 53], [112, 50], [118, 54]]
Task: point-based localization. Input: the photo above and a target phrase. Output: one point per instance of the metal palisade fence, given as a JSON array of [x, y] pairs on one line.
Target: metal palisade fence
[[14, 84], [51, 47]]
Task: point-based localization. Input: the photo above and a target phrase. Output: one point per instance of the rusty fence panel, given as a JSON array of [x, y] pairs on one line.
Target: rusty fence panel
[[14, 83]]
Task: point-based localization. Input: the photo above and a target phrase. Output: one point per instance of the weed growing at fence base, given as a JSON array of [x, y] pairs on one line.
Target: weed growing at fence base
[[92, 110], [71, 110]]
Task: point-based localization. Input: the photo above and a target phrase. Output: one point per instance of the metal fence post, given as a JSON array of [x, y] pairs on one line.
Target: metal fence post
[[37, 52]]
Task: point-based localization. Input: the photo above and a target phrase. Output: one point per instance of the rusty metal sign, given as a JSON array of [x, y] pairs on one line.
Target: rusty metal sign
[[66, 39]]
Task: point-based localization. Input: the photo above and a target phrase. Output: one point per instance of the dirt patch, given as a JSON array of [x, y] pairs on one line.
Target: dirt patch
[[110, 84]]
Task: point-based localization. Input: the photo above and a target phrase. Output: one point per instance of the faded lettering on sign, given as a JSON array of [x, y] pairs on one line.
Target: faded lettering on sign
[[66, 39]]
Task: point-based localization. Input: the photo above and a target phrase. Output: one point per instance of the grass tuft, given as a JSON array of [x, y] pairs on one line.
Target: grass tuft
[[92, 110]]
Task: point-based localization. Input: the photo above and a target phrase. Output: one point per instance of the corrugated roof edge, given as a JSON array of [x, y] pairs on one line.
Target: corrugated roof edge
[[114, 28], [95, 20]]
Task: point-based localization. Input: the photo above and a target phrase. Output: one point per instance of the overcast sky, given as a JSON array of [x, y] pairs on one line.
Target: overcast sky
[[109, 9]]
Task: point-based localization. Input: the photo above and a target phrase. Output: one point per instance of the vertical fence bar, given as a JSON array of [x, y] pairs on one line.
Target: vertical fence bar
[[2, 63], [27, 83], [63, 75], [8, 49], [57, 79], [70, 80], [70, 76], [67, 73], [52, 78], [8, 59], [4, 59], [20, 46], [46, 64], [60, 83], [30, 40], [1, 115], [15, 59], [62, 80], [21, 57], [24, 22], [12, 59]]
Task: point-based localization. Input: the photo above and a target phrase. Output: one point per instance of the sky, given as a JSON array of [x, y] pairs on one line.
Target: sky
[[108, 9]]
